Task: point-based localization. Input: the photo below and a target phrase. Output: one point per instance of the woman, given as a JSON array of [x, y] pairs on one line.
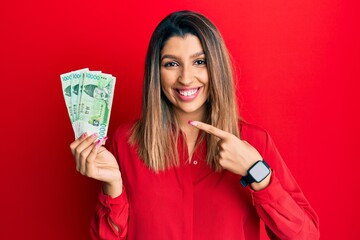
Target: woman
[[182, 161]]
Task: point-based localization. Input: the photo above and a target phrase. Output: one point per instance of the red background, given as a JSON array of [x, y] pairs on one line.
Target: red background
[[298, 65]]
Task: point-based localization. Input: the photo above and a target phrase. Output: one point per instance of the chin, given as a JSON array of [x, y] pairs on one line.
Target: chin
[[192, 109]]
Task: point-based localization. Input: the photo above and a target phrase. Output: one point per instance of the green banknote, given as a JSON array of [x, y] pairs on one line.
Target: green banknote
[[66, 87], [89, 101], [95, 103], [76, 82]]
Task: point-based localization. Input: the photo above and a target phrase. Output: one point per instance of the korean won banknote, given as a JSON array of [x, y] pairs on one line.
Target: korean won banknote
[[88, 97]]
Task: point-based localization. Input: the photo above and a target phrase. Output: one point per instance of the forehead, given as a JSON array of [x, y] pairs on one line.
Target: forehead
[[177, 45]]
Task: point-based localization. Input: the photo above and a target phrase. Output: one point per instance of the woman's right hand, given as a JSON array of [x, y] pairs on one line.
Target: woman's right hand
[[95, 161]]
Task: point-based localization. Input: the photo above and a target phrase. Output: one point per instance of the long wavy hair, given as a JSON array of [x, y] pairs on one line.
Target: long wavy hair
[[156, 132]]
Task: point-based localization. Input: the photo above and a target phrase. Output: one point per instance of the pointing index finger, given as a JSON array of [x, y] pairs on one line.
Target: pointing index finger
[[210, 129]]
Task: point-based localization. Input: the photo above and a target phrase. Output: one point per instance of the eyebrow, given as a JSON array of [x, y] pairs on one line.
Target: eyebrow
[[174, 57]]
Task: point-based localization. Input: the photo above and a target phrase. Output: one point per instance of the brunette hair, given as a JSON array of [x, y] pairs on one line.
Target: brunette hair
[[157, 131]]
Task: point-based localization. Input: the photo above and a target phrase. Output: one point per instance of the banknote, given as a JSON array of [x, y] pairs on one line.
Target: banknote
[[76, 83], [66, 89], [89, 100]]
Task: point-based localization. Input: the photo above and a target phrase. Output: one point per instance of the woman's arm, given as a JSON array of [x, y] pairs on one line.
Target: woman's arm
[[111, 217], [95, 161], [278, 199], [282, 205]]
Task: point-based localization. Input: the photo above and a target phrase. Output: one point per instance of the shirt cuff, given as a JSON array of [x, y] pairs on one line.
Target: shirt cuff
[[271, 193], [111, 203]]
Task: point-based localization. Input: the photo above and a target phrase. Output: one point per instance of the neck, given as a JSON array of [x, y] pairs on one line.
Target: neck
[[191, 133], [183, 118]]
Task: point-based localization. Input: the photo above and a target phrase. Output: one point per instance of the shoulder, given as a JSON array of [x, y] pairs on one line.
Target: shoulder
[[119, 142], [250, 131], [261, 140], [123, 132], [124, 151], [256, 136]]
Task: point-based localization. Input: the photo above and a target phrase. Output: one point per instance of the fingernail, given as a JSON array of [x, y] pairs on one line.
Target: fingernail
[[84, 135], [94, 135], [98, 143], [192, 123], [104, 139]]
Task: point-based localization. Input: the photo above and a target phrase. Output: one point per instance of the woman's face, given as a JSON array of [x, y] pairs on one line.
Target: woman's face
[[184, 75]]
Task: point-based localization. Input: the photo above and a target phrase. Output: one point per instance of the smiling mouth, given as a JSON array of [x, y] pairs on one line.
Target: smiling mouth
[[188, 92]]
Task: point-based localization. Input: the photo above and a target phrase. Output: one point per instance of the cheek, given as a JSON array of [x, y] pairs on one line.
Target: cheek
[[204, 78], [206, 83], [165, 87], [202, 75], [165, 79], [207, 92]]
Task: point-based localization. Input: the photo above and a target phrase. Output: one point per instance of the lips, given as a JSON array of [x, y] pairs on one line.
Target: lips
[[187, 94]]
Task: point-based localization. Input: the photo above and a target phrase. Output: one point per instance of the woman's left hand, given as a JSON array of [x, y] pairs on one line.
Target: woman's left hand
[[234, 154]]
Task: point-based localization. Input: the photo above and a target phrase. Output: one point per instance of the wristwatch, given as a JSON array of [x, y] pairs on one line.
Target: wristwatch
[[257, 172]]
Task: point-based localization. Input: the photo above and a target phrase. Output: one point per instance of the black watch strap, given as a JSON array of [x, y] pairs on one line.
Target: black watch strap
[[248, 179]]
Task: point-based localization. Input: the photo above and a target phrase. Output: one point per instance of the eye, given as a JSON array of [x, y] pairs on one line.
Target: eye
[[171, 64], [200, 62]]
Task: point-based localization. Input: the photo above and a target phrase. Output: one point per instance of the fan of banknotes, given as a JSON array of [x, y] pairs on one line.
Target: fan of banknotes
[[88, 97]]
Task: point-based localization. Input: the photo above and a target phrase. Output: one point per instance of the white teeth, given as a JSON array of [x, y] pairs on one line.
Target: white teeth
[[188, 93]]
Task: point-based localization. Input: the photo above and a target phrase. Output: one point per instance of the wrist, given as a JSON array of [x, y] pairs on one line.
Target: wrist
[[113, 189], [257, 174], [263, 184]]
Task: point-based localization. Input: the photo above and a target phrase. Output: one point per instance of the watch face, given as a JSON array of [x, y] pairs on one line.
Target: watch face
[[259, 171]]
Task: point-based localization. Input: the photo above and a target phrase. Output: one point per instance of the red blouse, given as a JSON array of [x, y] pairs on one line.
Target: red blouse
[[192, 202]]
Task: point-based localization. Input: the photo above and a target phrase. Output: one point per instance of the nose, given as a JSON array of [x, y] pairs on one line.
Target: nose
[[186, 76]]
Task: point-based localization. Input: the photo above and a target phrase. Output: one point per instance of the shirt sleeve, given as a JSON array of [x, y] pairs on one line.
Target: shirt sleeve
[[109, 212], [282, 206]]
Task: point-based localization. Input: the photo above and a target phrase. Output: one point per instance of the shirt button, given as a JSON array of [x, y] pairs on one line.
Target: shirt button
[[195, 162]]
